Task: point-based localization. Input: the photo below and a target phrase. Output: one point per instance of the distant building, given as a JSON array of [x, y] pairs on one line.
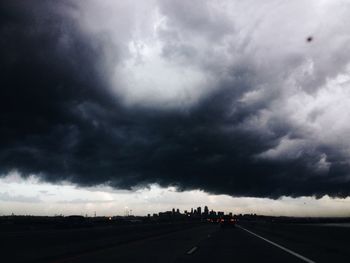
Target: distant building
[[206, 211], [167, 214], [199, 210]]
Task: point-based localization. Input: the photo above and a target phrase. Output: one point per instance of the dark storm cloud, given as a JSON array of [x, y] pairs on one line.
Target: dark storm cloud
[[60, 121]]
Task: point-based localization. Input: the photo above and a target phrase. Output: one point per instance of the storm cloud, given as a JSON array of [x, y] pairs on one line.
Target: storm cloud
[[225, 96]]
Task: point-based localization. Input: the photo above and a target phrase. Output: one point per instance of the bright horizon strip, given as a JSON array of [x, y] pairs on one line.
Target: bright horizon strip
[[31, 196]]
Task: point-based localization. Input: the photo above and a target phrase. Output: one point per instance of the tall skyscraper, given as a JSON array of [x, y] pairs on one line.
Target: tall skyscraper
[[206, 211], [199, 210]]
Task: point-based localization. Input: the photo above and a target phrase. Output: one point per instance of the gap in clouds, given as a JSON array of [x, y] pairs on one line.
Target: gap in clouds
[[31, 196]]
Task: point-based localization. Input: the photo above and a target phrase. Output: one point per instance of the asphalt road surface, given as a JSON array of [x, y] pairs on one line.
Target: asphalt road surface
[[203, 244], [241, 244], [210, 243]]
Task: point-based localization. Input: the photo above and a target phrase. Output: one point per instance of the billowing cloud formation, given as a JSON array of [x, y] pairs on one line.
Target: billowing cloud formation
[[224, 96]]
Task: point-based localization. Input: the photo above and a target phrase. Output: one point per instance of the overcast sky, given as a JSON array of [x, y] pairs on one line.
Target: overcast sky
[[243, 102]]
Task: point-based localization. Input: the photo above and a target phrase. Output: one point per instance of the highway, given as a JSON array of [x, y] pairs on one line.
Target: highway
[[202, 243]]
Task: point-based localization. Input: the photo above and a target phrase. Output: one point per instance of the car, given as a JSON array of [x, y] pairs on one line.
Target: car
[[227, 221]]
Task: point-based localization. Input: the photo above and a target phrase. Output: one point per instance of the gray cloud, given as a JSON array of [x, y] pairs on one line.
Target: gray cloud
[[85, 201], [19, 198], [227, 97]]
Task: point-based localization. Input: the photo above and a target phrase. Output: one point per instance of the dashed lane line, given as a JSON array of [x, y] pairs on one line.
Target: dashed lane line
[[191, 251]]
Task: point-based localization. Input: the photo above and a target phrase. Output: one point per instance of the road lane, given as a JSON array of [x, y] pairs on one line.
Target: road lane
[[321, 243], [164, 248], [42, 246], [182, 243], [293, 253], [236, 245], [209, 243]]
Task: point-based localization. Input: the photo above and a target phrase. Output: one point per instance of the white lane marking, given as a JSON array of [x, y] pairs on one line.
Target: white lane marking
[[191, 251], [279, 246]]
